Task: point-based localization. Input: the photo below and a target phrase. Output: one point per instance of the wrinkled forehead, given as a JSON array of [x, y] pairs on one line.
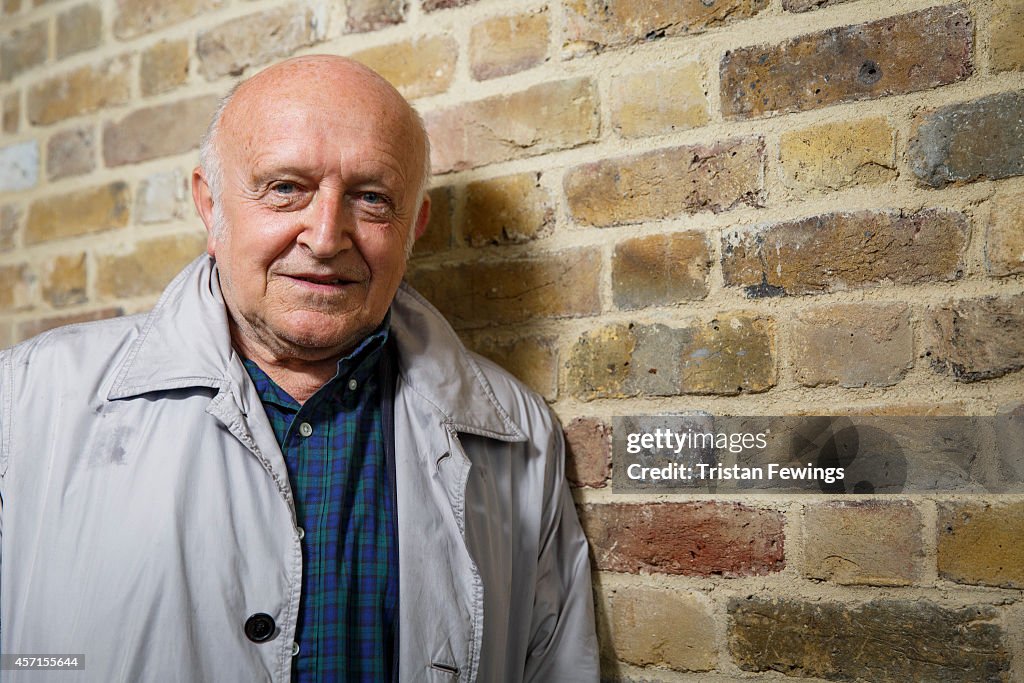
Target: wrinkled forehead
[[300, 104]]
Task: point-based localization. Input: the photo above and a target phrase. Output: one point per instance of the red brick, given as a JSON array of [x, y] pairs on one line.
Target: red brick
[[696, 539], [541, 119], [588, 446], [902, 54], [838, 251], [667, 183]]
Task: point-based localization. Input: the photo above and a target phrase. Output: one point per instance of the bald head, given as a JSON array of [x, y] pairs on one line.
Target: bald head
[[318, 81]]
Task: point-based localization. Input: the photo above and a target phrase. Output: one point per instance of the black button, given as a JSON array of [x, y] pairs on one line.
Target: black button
[[259, 627]]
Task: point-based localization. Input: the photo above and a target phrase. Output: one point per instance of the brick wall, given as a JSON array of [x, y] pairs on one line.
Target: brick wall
[[816, 204]]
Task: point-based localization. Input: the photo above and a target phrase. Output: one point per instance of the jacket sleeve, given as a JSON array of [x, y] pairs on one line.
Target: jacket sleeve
[[563, 642]]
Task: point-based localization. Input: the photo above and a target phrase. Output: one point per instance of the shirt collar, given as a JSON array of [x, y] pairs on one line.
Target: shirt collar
[[360, 364]]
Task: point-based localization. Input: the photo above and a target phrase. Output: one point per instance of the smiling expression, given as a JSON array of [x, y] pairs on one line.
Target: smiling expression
[[321, 169]]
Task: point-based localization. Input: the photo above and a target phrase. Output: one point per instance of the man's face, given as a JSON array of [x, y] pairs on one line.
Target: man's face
[[320, 183]]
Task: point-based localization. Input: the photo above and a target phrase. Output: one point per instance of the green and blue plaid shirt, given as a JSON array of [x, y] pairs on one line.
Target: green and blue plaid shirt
[[342, 483]]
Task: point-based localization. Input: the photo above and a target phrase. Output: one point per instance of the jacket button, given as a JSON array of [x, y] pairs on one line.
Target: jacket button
[[259, 627]]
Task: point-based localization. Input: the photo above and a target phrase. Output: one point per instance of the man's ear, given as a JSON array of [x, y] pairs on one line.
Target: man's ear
[[423, 217], [202, 196]]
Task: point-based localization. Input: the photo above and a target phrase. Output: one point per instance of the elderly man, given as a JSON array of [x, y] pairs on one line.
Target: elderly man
[[290, 468]]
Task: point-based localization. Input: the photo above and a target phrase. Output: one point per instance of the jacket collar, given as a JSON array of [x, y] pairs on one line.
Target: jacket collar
[[185, 342]]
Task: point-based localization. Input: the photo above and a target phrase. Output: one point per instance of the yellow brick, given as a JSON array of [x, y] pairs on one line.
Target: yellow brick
[[659, 101], [164, 66], [64, 280], [1008, 35], [15, 288], [78, 213], [838, 155], [506, 210], [148, 268], [416, 67], [81, 91], [507, 45]]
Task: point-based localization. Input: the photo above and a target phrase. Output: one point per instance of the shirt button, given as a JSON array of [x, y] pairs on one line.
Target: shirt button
[[301, 532], [295, 649], [305, 429], [353, 385]]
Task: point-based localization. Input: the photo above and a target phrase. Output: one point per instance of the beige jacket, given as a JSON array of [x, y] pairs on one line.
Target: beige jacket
[[146, 510]]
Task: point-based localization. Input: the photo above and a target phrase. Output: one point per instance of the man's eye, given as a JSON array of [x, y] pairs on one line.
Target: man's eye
[[374, 198], [285, 188]]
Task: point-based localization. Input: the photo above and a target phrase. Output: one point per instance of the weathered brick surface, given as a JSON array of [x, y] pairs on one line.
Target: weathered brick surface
[[560, 284], [23, 49], [136, 17], [70, 152], [871, 542], [438, 235], [667, 183], [660, 269], [507, 210], [1007, 47], [161, 197], [883, 641], [64, 280], [11, 112], [853, 345], [588, 450], [31, 328], [500, 46], [431, 5], [256, 39], [544, 118], [19, 166], [659, 101], [983, 138], [1004, 241], [838, 155], [11, 6], [159, 131], [902, 54], [661, 627], [807, 5], [148, 267], [598, 24], [838, 251], [534, 360], [81, 91], [79, 29], [731, 354], [419, 67], [369, 15], [10, 224], [697, 539], [78, 213], [982, 543], [164, 66], [16, 284], [976, 339]]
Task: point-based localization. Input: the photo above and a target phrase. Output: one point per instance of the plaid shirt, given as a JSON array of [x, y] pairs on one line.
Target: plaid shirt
[[334, 449]]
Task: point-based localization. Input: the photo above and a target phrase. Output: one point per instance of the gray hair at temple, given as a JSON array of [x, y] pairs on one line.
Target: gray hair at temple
[[210, 161]]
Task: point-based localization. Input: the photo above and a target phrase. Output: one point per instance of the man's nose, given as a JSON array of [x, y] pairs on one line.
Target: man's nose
[[329, 227]]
